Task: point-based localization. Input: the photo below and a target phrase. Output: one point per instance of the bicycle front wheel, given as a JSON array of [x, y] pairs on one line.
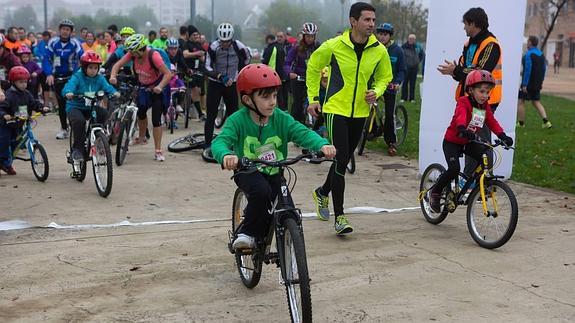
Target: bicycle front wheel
[[102, 164], [428, 180], [221, 116], [249, 265], [400, 124], [296, 281], [493, 228], [39, 161], [123, 141]]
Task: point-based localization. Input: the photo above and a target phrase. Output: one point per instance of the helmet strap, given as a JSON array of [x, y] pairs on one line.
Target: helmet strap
[[255, 107]]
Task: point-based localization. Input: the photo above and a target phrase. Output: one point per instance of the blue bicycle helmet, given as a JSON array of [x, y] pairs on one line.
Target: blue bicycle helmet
[[386, 27], [172, 43]]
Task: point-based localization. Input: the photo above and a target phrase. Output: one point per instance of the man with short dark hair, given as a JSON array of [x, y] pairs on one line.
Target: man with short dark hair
[[162, 41], [151, 37], [358, 53], [534, 67], [195, 57], [83, 32], [12, 39], [184, 36], [274, 57], [481, 51]]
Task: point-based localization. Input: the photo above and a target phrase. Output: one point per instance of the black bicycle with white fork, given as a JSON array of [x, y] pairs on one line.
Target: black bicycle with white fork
[[96, 147], [286, 226]]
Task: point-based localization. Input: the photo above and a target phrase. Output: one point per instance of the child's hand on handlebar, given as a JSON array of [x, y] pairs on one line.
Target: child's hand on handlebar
[[230, 162], [69, 96], [7, 117], [328, 151]]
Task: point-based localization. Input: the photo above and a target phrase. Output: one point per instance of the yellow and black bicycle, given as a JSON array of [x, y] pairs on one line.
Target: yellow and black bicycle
[[492, 210]]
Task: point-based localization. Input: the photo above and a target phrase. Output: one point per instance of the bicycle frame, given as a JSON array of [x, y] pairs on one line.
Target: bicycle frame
[[27, 138]]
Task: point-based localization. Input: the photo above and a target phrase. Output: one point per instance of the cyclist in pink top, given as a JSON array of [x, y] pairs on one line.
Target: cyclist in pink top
[[154, 77]]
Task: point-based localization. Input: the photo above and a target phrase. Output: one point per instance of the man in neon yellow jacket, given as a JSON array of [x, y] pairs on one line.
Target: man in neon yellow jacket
[[360, 72]]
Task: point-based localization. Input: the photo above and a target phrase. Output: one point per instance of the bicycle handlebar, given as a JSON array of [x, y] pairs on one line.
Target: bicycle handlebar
[[496, 143], [20, 118]]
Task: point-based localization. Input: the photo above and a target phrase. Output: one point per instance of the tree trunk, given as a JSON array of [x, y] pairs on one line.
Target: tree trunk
[[559, 6]]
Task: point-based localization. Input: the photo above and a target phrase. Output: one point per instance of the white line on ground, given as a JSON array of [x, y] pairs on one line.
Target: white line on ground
[[19, 224]]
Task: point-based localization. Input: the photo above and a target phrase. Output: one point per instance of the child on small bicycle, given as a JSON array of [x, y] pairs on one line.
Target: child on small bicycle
[[177, 88], [87, 82], [472, 113], [260, 131], [19, 102], [33, 68]]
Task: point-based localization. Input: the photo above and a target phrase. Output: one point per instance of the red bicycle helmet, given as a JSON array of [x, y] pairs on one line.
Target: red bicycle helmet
[[90, 57], [477, 77], [256, 76], [23, 50], [18, 73]]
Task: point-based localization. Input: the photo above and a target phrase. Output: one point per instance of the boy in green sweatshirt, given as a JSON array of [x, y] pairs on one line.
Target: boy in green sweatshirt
[[260, 131]]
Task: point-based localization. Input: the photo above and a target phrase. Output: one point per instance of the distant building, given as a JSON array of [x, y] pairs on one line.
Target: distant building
[[168, 12], [562, 39]]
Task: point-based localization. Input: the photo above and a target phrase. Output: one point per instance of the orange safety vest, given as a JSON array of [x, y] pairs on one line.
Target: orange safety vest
[[495, 96]]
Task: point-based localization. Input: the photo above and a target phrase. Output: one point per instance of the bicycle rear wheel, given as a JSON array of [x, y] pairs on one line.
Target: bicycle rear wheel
[[428, 180], [186, 143], [39, 161], [296, 278], [102, 164], [249, 265], [400, 124], [364, 134], [496, 228], [351, 165], [221, 116]]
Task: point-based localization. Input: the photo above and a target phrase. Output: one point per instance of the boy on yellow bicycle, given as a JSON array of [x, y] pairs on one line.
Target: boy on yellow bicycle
[[260, 131], [472, 113]]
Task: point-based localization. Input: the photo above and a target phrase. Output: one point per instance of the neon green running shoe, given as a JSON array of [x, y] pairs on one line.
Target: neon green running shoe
[[342, 225], [321, 205], [546, 125]]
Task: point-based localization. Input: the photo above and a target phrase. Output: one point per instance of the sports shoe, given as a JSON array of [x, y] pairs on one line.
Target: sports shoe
[[401, 101], [62, 134], [342, 225], [179, 109], [391, 150], [174, 124], [520, 125], [244, 241], [202, 118], [8, 169], [140, 141], [321, 205], [434, 202], [77, 155], [159, 156], [546, 125]]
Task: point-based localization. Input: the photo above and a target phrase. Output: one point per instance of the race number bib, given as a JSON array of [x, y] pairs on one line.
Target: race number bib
[[57, 61], [267, 152], [477, 119], [22, 111], [2, 73], [87, 98]]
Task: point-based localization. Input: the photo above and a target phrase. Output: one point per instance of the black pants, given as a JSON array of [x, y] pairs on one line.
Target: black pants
[[217, 91], [485, 134], [58, 87], [408, 87], [452, 153], [299, 93], [389, 124], [78, 124], [261, 190], [344, 134], [283, 95]]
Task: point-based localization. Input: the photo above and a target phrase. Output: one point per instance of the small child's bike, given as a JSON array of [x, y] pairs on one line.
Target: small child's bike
[[27, 141], [492, 210], [96, 147], [287, 229]]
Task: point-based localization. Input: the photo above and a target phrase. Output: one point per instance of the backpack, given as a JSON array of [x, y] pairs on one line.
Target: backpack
[[165, 58], [240, 53]]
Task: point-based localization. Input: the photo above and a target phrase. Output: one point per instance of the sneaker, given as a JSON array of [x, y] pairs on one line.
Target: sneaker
[[174, 125], [159, 156], [179, 109], [411, 101], [202, 118], [77, 155], [244, 241], [321, 205], [342, 225], [546, 125], [401, 101], [391, 150], [140, 141], [434, 202], [8, 169], [520, 125], [62, 134]]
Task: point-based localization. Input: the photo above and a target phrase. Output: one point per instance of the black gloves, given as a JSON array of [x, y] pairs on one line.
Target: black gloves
[[508, 141], [464, 133]]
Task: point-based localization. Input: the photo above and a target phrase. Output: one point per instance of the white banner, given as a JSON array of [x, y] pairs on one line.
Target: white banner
[[445, 40]]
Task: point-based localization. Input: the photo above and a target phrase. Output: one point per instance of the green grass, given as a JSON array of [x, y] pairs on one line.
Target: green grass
[[543, 157]]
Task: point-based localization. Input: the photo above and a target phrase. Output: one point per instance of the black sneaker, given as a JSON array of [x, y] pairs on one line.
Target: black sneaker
[[77, 155]]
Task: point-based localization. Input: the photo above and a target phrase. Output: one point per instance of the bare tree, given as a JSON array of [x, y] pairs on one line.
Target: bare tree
[[554, 8]]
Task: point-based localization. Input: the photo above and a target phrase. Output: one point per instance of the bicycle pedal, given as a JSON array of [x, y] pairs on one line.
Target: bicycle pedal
[[281, 280]]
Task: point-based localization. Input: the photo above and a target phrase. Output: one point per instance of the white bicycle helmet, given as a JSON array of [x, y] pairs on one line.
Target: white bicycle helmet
[[225, 31], [309, 28]]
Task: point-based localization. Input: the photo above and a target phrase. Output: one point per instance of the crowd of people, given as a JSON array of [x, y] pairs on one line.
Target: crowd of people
[[335, 81]]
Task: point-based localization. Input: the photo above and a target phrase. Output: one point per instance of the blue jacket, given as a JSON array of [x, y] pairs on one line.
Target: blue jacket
[[398, 66], [79, 83], [40, 51], [534, 67], [60, 59]]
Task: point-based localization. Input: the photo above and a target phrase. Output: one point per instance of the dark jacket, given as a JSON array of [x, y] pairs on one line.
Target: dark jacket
[[487, 59], [279, 58], [398, 68], [296, 62], [7, 61], [533, 69], [15, 99], [413, 54]]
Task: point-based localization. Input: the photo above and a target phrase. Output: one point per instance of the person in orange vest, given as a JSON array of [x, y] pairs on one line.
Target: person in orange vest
[[482, 51], [12, 40]]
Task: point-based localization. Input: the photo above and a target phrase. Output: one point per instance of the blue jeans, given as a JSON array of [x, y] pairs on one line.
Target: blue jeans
[[8, 143]]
